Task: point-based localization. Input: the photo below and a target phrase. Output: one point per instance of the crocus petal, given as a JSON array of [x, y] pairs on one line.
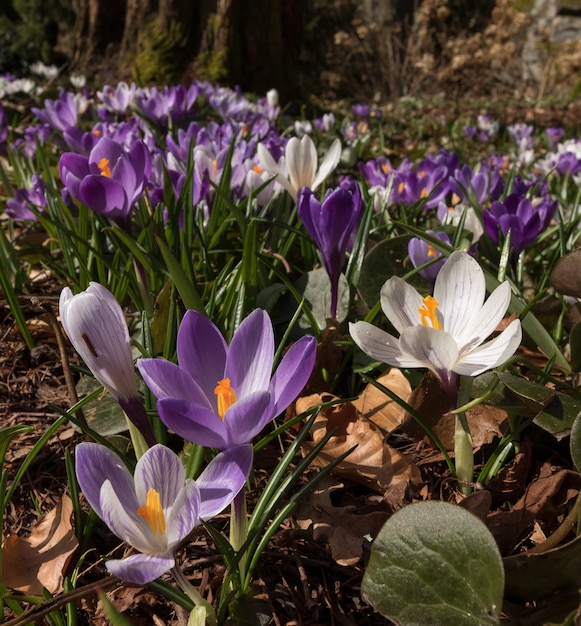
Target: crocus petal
[[223, 478], [459, 290], [107, 150], [268, 164], [105, 196], [435, 349], [160, 469], [301, 162], [486, 320], [193, 422], [202, 352], [247, 417], [123, 520], [492, 353], [167, 380], [381, 346], [184, 514], [94, 464], [251, 354], [93, 321], [400, 303], [141, 569], [328, 165], [293, 372]]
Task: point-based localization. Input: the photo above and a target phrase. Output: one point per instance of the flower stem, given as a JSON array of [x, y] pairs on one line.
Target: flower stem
[[204, 609], [463, 452]]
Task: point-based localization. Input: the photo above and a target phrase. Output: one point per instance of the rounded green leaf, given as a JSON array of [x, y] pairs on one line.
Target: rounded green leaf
[[435, 563]]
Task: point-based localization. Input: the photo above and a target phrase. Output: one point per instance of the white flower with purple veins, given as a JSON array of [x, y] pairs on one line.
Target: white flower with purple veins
[[299, 168], [95, 324], [446, 332], [157, 508]]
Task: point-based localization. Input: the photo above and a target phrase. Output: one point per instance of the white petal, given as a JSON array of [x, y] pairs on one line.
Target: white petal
[[329, 164], [434, 349], [460, 289], [268, 164], [493, 353], [380, 345], [183, 516], [486, 320], [401, 303], [301, 162]]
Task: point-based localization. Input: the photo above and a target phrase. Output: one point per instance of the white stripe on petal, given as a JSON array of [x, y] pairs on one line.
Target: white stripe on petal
[[434, 349], [381, 346]]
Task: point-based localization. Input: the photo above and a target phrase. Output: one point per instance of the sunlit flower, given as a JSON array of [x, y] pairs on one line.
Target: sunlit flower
[[157, 508], [110, 180], [219, 395], [444, 332], [95, 324], [332, 224], [299, 168]]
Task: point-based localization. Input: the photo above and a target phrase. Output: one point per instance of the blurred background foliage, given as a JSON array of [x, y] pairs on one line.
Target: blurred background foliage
[[336, 49]]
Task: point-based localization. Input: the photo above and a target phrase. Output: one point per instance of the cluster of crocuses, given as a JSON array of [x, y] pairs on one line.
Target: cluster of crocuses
[[218, 395]]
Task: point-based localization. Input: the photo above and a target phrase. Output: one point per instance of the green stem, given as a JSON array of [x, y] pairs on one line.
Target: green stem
[[239, 528], [463, 452], [204, 612]]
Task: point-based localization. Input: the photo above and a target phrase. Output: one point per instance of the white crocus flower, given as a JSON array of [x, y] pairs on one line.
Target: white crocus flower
[[444, 332], [300, 164]]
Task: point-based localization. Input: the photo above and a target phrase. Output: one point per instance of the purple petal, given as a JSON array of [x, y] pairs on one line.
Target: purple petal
[[223, 479], [167, 380], [247, 417], [249, 361], [193, 422], [184, 514], [104, 195], [107, 149], [94, 465], [293, 373], [202, 352], [160, 469], [141, 569]]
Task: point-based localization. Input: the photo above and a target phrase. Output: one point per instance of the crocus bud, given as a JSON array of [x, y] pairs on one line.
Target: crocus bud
[[94, 322]]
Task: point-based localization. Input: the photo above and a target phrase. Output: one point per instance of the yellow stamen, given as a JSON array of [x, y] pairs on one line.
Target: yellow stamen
[[385, 168], [152, 512], [431, 250], [423, 193], [103, 165], [97, 132], [429, 313], [215, 168], [226, 396], [401, 187], [258, 169]]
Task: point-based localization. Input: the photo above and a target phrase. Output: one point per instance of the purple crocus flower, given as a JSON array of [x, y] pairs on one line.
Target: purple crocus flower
[[361, 110], [422, 252], [157, 508], [58, 114], [555, 134], [332, 225], [19, 207], [517, 214], [220, 396], [110, 180]]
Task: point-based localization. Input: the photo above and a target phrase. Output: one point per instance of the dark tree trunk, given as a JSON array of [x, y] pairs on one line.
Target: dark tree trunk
[[99, 26]]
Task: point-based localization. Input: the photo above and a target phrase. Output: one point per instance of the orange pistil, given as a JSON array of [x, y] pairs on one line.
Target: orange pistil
[[431, 250], [152, 512], [429, 313], [97, 132], [258, 169], [385, 168], [401, 187], [423, 193], [103, 165], [226, 396]]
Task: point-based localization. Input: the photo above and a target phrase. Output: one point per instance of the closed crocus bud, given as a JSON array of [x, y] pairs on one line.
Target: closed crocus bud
[[272, 97], [95, 324]]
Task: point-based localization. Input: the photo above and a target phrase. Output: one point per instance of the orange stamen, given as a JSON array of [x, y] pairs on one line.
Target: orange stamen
[[429, 313], [103, 165], [226, 396], [152, 512]]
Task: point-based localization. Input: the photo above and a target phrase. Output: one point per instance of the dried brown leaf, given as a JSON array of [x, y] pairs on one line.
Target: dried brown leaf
[[379, 408], [372, 463], [40, 561]]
